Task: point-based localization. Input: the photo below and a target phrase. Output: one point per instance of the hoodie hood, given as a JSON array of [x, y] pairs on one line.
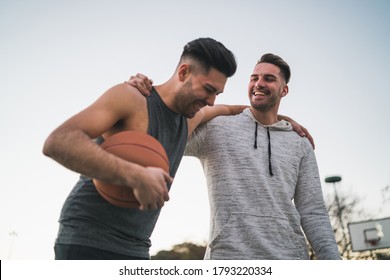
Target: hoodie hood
[[280, 125]]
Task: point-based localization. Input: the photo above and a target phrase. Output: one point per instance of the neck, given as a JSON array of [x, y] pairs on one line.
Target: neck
[[266, 118], [166, 92]]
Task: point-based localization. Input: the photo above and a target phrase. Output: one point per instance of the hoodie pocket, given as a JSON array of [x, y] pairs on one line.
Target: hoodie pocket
[[249, 236]]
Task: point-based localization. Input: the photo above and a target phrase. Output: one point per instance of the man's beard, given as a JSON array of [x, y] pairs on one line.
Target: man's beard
[[182, 100], [265, 107]]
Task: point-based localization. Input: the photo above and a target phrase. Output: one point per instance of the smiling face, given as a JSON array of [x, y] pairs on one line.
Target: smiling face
[[266, 87], [199, 90]]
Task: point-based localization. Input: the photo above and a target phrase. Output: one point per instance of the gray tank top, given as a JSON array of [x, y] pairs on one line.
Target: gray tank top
[[87, 219], [169, 128]]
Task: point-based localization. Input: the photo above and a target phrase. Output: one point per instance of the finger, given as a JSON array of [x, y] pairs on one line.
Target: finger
[[141, 82], [145, 80], [166, 196], [149, 84], [311, 141], [301, 130], [153, 206], [140, 86], [168, 179], [160, 204], [141, 76], [146, 207], [308, 136], [142, 207], [131, 81]]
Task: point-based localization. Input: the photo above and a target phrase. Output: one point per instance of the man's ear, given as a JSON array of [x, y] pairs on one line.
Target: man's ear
[[184, 71], [285, 90]]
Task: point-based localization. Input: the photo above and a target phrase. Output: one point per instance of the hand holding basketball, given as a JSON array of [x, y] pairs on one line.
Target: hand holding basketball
[[149, 190], [152, 186]]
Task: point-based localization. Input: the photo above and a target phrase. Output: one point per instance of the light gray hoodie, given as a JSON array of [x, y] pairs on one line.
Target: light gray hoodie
[[253, 214]]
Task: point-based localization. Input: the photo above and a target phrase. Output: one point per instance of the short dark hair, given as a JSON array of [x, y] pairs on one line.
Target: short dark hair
[[277, 61], [210, 53]]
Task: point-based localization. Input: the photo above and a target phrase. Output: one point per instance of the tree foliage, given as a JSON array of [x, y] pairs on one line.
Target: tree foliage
[[184, 251]]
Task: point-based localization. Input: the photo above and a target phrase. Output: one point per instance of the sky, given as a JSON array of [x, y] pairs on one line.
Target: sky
[[57, 57]]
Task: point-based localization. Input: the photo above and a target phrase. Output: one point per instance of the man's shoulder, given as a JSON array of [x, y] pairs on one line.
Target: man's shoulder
[[301, 142], [125, 98], [126, 104], [125, 91]]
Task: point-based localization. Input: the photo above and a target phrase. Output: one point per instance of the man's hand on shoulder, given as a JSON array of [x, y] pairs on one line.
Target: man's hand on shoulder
[[301, 130], [141, 82]]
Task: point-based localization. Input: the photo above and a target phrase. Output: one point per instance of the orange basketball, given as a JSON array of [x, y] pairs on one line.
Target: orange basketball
[[133, 146]]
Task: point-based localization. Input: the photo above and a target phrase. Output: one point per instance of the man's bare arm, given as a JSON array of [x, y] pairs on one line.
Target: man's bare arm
[[71, 145], [207, 113]]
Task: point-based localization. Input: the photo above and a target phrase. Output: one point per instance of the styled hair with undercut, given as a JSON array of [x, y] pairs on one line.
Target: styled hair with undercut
[[277, 61], [209, 53]]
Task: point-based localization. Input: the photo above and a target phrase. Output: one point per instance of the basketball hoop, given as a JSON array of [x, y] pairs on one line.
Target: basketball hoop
[[370, 235], [373, 235]]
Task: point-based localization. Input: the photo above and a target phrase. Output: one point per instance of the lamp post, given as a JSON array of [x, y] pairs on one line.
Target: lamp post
[[334, 180]]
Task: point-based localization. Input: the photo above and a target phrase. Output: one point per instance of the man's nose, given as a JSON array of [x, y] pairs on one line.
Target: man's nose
[[259, 84], [210, 100]]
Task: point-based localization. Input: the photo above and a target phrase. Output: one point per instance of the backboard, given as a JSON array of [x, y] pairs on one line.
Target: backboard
[[370, 235]]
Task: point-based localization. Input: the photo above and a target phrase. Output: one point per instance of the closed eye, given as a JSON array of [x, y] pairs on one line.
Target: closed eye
[[211, 90], [254, 78], [269, 78]]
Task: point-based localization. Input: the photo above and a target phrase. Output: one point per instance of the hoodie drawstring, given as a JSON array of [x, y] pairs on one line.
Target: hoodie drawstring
[[269, 153], [255, 145], [269, 148]]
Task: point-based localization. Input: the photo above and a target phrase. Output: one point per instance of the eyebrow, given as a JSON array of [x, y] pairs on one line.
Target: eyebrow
[[265, 75], [209, 86]]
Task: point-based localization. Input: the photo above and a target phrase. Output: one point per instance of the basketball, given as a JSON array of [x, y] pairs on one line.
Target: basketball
[[136, 147]]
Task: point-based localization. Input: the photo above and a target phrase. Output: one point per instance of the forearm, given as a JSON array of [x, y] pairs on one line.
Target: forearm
[[317, 228], [76, 151], [221, 110], [319, 233], [282, 117], [208, 113]]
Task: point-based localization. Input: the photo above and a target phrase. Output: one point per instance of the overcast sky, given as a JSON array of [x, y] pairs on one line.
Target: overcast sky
[[57, 57]]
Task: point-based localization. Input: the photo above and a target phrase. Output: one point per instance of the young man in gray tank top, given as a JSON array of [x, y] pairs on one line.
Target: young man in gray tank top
[[90, 227]]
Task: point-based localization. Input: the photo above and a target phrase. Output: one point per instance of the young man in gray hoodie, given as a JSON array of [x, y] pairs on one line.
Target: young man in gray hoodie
[[263, 181]]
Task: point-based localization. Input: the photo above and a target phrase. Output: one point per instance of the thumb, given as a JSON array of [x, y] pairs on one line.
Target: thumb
[[167, 178]]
